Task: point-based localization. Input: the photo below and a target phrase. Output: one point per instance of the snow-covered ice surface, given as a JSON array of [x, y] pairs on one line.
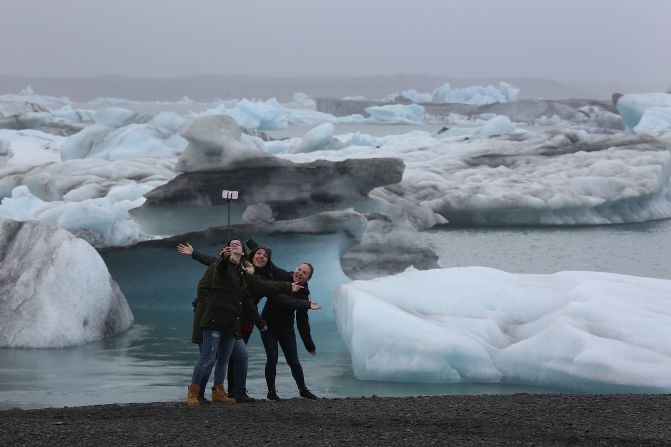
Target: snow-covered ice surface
[[577, 330]]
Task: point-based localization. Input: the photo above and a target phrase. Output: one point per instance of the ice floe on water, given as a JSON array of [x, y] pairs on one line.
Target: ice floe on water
[[576, 330]]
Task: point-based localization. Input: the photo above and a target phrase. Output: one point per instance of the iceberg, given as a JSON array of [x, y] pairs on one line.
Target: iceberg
[[120, 134], [318, 138], [575, 330], [89, 197], [55, 290], [633, 106], [475, 94], [397, 113]]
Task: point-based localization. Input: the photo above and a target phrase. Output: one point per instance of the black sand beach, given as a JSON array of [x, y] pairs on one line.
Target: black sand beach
[[520, 419]]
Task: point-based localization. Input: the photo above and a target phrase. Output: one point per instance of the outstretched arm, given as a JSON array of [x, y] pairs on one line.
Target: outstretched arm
[[289, 302], [203, 258], [304, 330], [261, 287]]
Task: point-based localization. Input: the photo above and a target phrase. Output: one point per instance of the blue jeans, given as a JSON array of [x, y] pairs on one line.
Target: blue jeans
[[217, 348], [238, 365], [286, 337]]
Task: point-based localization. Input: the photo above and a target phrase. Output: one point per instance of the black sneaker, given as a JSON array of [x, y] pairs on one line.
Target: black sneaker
[[306, 393], [203, 400], [241, 397], [272, 395]]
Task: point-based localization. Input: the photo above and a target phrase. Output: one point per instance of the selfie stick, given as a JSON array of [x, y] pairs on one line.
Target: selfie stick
[[229, 195]]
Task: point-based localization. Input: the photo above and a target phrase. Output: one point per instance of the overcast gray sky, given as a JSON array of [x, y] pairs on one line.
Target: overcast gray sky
[[568, 40]]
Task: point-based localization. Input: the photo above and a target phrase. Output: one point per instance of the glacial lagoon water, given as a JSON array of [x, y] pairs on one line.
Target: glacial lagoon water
[[153, 361]]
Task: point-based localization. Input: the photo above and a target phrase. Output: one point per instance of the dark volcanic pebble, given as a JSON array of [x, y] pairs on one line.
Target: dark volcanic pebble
[[520, 419]]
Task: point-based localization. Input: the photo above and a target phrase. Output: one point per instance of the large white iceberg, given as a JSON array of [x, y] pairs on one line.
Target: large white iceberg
[[55, 290], [574, 330]]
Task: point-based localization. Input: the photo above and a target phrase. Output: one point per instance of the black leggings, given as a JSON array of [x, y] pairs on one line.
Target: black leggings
[[286, 337], [231, 361]]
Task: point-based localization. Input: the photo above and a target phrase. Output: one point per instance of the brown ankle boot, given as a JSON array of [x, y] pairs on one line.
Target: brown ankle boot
[[192, 397], [219, 395]]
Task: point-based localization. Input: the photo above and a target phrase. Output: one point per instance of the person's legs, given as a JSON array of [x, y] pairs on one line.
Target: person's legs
[[240, 362], [208, 354], [223, 355], [203, 367], [287, 340], [203, 382], [231, 364], [269, 339]]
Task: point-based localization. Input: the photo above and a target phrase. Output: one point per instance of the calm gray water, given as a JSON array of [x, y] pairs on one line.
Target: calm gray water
[[153, 361]]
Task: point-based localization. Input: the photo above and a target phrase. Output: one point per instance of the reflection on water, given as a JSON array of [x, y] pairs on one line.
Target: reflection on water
[[153, 361]]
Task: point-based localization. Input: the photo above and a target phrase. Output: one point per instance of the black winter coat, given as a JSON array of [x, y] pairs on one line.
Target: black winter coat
[[280, 309]]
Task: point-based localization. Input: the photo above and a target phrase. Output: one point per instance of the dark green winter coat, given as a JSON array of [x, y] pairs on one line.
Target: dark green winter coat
[[203, 291], [230, 295]]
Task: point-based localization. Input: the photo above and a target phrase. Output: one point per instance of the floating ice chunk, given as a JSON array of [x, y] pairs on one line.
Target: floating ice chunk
[[268, 115], [475, 94], [497, 126], [214, 142], [56, 290], [654, 121], [318, 138], [116, 117], [416, 97], [258, 213], [121, 134], [104, 220], [474, 324], [397, 113], [632, 106], [28, 102]]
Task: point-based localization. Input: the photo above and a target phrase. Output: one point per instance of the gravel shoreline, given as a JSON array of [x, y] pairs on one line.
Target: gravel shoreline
[[518, 419]]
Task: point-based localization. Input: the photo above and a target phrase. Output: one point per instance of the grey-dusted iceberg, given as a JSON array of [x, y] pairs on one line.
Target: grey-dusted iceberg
[[55, 289]]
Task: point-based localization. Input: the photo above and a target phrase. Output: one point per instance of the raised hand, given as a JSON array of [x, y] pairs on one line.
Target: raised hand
[[226, 252], [185, 249], [314, 306]]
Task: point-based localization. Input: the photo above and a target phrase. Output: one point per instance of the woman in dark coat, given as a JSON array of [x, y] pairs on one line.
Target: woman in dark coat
[[279, 313]]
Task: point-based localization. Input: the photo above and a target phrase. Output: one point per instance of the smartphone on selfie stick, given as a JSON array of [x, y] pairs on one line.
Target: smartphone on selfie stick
[[229, 195]]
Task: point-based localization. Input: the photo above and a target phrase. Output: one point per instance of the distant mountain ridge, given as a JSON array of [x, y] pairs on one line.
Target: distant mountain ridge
[[210, 87]]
